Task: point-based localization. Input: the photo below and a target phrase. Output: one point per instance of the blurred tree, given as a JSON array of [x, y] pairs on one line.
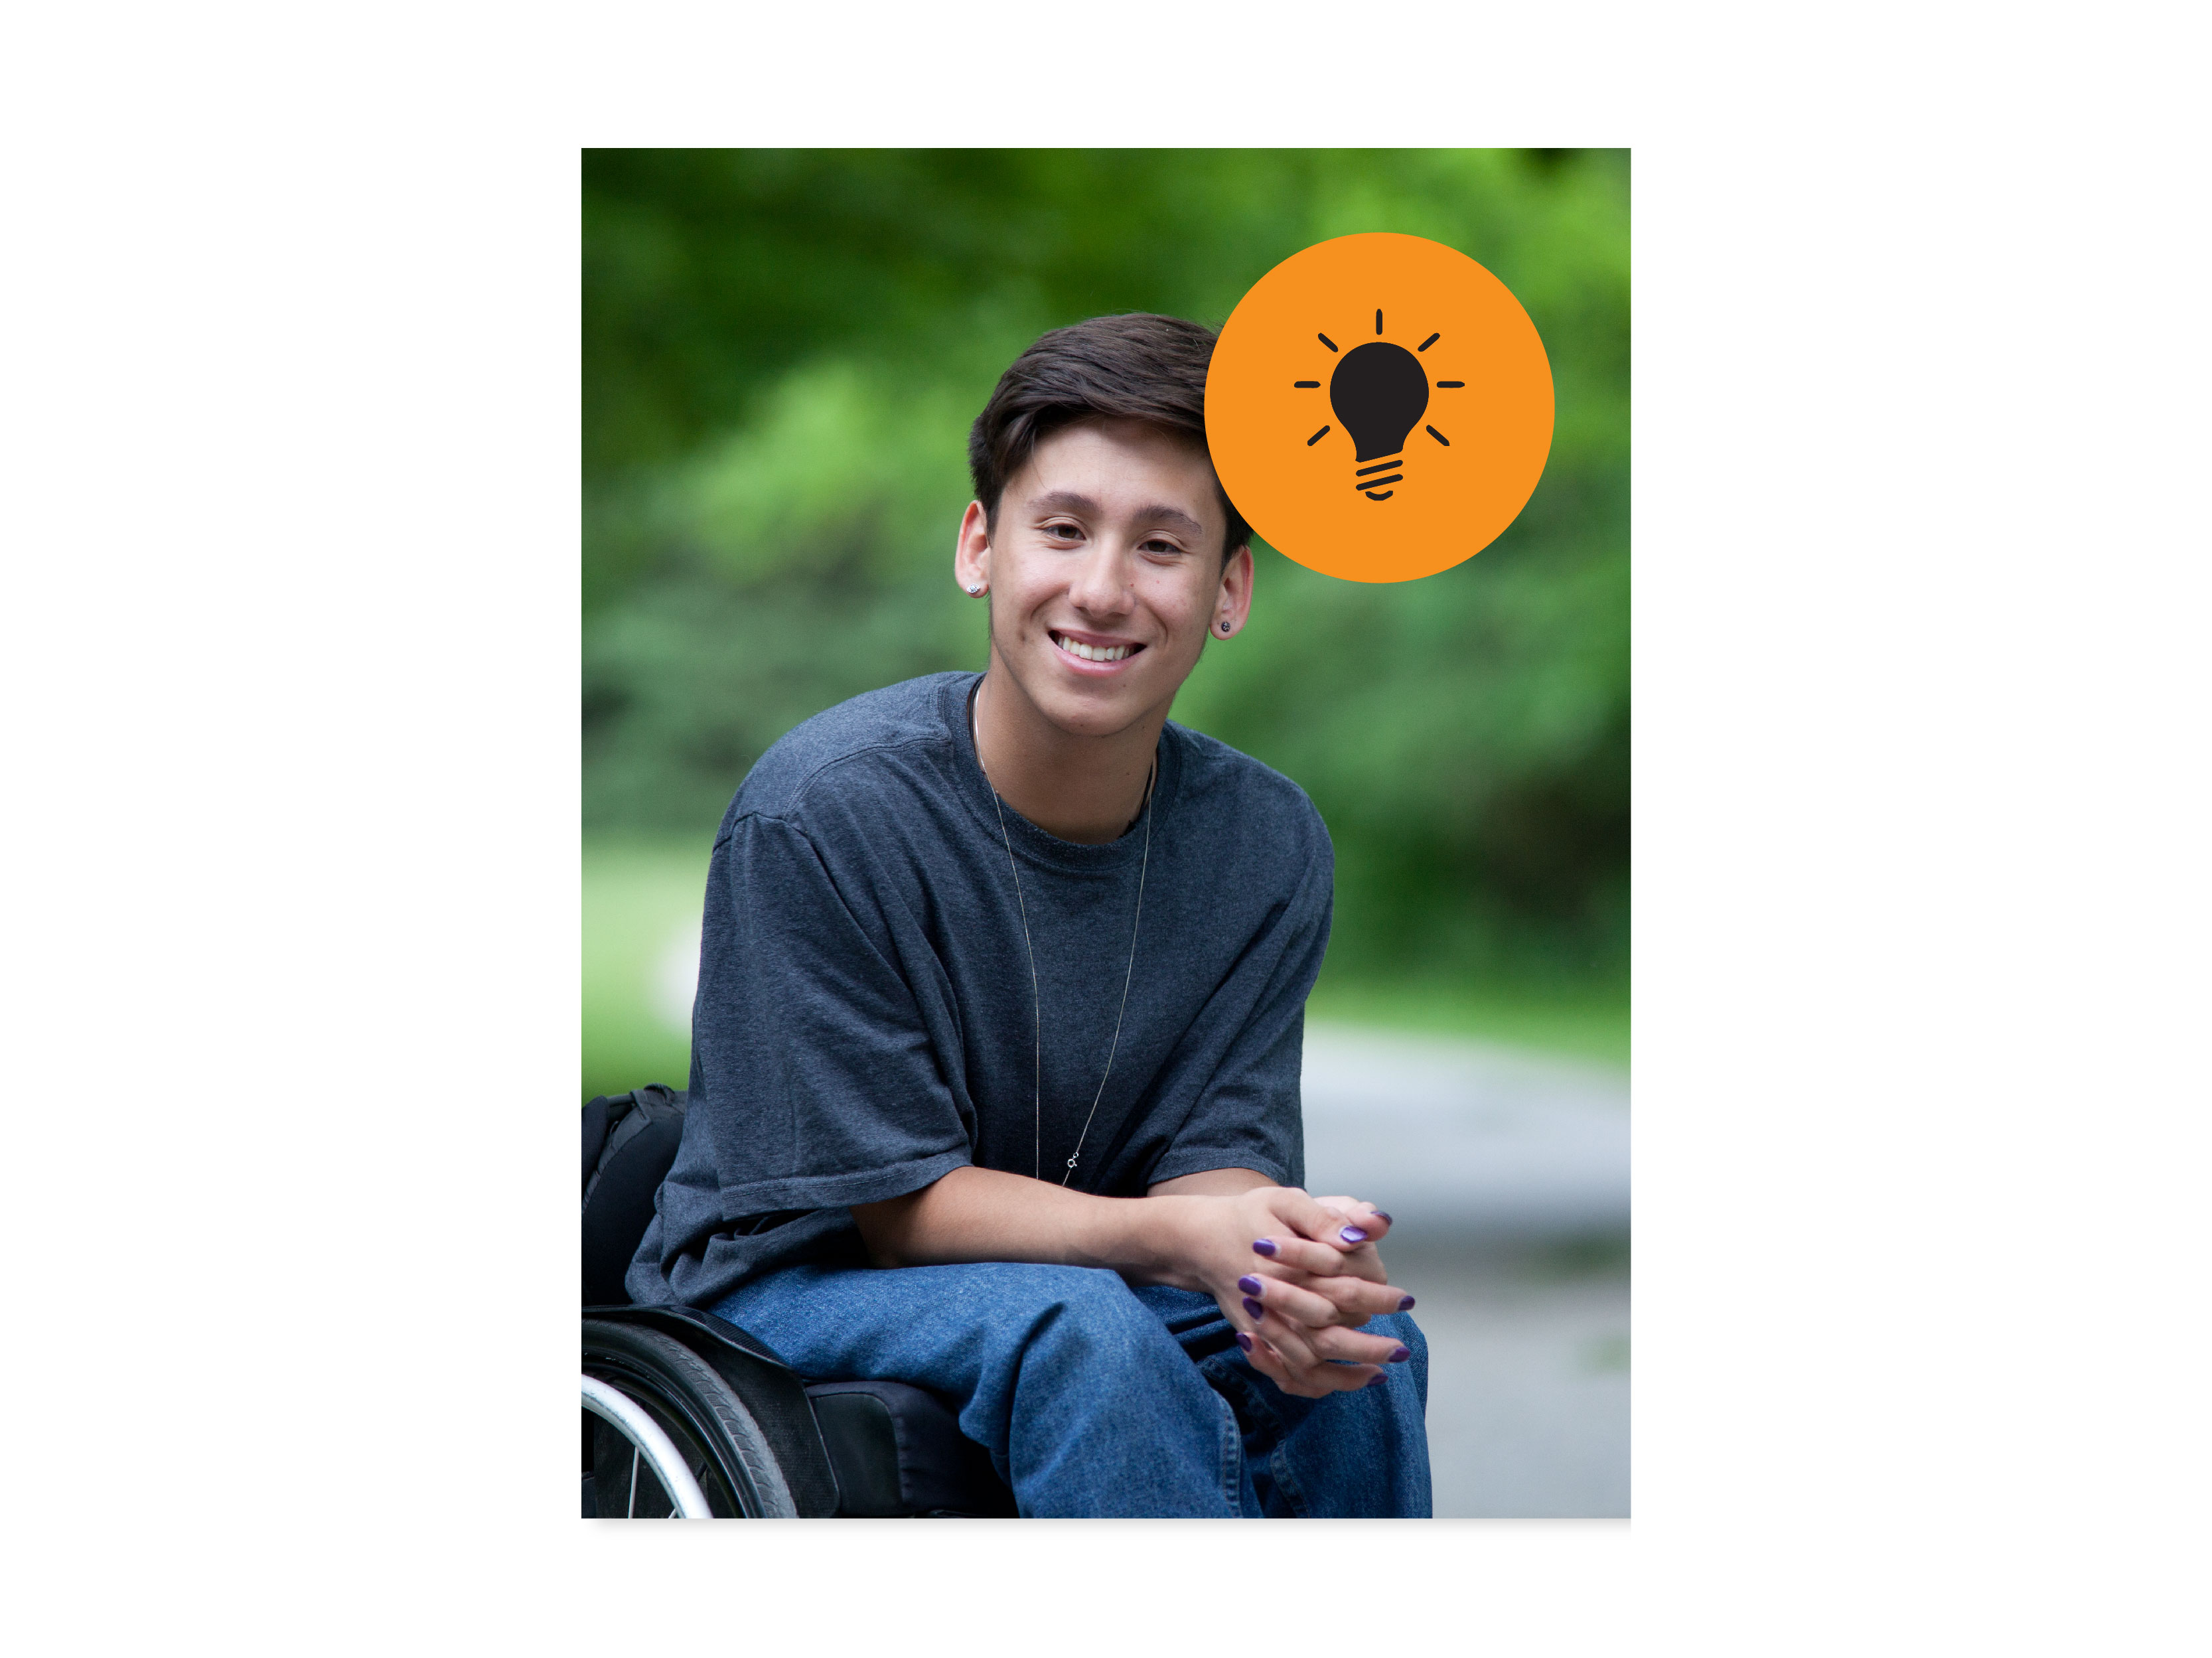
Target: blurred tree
[[783, 351]]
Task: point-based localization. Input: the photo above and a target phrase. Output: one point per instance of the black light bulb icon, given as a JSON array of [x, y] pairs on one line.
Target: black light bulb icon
[[1379, 391]]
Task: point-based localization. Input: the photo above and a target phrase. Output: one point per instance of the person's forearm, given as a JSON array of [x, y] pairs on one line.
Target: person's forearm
[[1294, 1276], [981, 1214]]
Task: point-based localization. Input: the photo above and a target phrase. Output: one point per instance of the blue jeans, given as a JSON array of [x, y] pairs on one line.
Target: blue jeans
[[1095, 1399]]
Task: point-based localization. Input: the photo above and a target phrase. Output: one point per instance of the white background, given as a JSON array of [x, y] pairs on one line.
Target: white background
[[289, 524]]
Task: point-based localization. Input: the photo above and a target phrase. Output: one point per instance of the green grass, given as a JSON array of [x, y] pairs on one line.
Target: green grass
[[639, 896], [1581, 1024], [642, 895]]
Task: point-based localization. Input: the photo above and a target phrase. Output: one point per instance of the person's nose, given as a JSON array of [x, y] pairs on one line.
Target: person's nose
[[1101, 584]]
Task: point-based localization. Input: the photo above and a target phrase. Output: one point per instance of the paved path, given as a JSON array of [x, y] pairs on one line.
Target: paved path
[[1528, 1382], [1464, 1137], [1507, 1175]]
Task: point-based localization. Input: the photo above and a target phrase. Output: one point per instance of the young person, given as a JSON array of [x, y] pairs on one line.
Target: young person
[[995, 1056]]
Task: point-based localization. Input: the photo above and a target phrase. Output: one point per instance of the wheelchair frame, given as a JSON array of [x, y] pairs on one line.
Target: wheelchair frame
[[686, 1416]]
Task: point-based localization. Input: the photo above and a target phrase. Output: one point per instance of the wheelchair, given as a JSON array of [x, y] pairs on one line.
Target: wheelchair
[[686, 1416]]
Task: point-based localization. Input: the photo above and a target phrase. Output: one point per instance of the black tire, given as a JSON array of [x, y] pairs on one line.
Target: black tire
[[715, 1434]]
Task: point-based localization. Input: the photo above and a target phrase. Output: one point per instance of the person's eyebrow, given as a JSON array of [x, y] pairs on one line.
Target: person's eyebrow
[[1064, 500], [1173, 518], [1070, 501]]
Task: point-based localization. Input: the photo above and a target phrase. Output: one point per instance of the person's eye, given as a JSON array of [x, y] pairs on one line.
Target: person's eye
[[1064, 531], [1157, 544]]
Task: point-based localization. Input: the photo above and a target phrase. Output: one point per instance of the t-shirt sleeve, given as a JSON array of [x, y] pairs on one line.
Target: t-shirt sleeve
[[1247, 1116], [814, 1080]]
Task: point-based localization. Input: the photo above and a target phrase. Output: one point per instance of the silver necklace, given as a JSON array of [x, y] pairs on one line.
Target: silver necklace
[[1036, 999]]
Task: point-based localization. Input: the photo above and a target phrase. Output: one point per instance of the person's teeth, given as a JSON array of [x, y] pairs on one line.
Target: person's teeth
[[1094, 653]]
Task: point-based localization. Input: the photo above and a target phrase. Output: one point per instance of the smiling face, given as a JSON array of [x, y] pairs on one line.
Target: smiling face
[[1106, 574]]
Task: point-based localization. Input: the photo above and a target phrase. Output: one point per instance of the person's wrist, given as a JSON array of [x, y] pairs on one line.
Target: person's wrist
[[1166, 1238]]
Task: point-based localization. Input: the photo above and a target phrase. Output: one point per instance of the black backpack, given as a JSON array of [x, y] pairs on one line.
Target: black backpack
[[629, 1141]]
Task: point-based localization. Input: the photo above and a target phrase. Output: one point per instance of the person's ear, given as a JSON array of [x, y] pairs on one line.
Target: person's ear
[[1233, 602], [971, 552]]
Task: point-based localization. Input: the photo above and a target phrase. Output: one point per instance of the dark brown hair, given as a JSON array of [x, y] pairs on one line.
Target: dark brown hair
[[1133, 367]]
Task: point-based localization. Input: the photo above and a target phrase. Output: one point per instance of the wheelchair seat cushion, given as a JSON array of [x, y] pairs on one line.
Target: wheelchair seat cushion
[[898, 1450]]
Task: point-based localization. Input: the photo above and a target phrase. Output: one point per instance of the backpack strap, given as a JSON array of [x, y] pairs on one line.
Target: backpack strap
[[598, 1123]]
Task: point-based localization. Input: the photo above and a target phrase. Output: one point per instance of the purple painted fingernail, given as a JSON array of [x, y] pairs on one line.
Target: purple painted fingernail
[[1399, 1357], [1405, 1304], [1250, 1285], [1376, 1380], [1264, 1247], [1254, 1307], [1244, 1341], [1352, 1234], [1383, 1215]]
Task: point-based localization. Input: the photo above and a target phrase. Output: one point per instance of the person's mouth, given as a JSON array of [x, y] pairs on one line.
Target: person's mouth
[[1093, 647]]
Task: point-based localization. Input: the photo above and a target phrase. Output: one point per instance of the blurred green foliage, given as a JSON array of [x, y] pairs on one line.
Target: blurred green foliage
[[783, 351]]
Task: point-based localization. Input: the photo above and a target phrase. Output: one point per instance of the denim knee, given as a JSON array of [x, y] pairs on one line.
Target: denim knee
[[1400, 1325], [1097, 1304], [1090, 1317]]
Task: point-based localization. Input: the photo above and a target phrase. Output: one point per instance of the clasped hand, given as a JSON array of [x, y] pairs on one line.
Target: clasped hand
[[1297, 1276]]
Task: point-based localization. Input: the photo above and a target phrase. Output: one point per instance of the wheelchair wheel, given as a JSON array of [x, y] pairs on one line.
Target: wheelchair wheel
[[657, 1475], [669, 1437]]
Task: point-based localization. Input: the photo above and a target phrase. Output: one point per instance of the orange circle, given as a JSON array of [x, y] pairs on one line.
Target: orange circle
[[1304, 475]]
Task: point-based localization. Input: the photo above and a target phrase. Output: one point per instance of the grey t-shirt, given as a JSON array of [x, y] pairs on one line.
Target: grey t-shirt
[[864, 1018]]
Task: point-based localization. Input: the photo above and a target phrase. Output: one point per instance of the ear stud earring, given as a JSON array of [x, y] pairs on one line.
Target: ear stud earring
[[976, 589], [1224, 627]]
